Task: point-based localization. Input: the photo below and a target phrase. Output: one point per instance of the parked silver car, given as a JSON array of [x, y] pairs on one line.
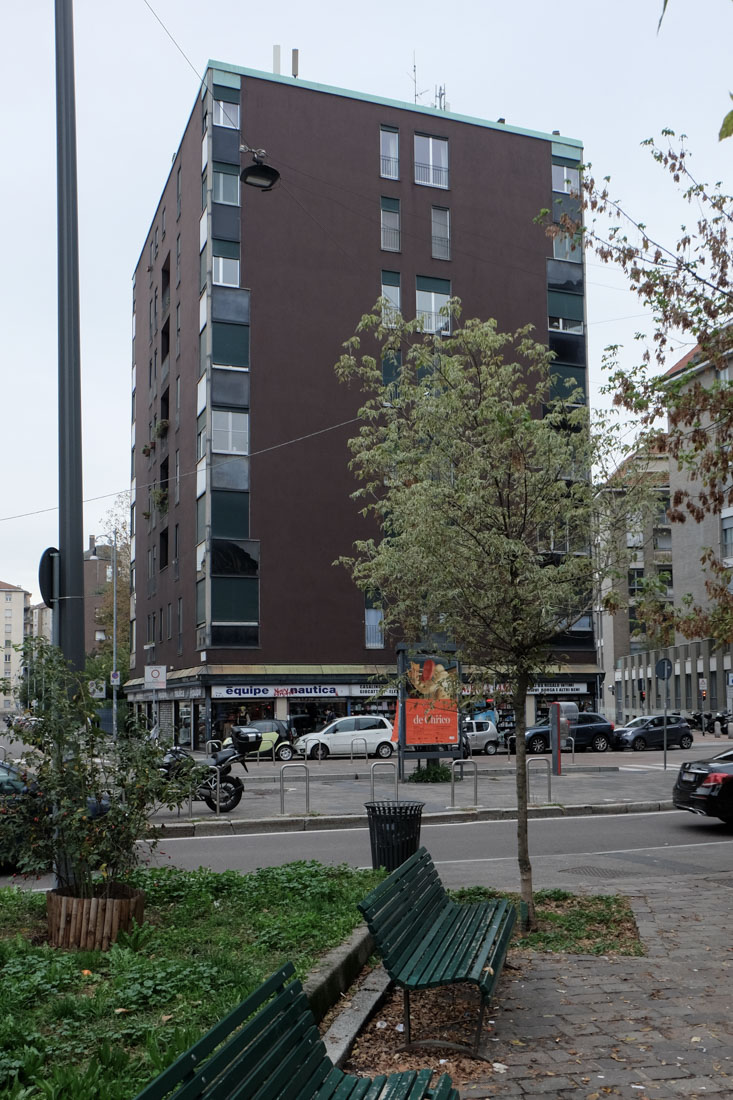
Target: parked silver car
[[482, 736]]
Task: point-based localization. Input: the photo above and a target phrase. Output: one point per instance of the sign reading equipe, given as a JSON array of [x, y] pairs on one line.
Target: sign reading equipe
[[155, 676]]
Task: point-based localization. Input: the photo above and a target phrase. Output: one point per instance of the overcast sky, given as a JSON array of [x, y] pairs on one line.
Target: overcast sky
[[595, 71]]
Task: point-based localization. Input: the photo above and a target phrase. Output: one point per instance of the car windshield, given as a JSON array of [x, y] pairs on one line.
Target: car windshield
[[727, 756], [636, 722]]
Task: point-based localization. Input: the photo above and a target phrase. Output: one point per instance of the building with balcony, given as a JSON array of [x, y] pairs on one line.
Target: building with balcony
[[702, 672], [241, 490], [16, 603]]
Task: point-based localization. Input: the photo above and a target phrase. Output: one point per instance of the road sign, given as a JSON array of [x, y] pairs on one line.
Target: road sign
[[114, 679], [155, 676], [97, 690], [702, 684], [664, 668]]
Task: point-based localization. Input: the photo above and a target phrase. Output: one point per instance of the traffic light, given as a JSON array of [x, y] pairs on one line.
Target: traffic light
[[643, 695], [704, 695]]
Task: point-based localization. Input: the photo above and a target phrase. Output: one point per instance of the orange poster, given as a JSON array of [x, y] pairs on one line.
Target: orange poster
[[431, 722]]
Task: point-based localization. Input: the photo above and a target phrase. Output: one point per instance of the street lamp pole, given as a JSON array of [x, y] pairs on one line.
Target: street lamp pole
[[71, 527]]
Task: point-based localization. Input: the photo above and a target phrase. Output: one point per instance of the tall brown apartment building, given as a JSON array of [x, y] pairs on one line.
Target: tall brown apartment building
[[241, 302]]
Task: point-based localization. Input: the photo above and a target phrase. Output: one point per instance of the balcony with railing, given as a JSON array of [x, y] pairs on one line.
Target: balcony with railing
[[390, 239], [441, 248], [389, 168], [433, 322], [432, 175]]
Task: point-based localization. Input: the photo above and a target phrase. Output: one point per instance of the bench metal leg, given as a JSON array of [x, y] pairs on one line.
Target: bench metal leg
[[472, 1049]]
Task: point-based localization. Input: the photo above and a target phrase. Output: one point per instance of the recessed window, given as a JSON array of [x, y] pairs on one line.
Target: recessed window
[[390, 291], [390, 224], [226, 188], [440, 227], [226, 114], [433, 296], [565, 179], [225, 271], [389, 153], [230, 432], [567, 248], [431, 161], [565, 324]]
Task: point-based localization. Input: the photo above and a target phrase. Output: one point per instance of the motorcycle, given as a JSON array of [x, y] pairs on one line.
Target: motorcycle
[[218, 767]]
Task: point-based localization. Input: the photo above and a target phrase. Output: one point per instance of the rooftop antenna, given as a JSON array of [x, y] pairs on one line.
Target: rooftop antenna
[[414, 79], [440, 103], [276, 60], [295, 64]]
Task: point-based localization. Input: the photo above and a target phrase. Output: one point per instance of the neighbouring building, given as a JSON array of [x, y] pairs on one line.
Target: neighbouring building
[[16, 603], [240, 499], [702, 672], [97, 586]]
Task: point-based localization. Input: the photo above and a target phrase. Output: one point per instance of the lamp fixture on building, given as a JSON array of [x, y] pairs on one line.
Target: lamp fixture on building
[[258, 174]]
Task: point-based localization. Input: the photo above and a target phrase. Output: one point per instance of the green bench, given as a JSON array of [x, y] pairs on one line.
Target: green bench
[[427, 940], [270, 1049]]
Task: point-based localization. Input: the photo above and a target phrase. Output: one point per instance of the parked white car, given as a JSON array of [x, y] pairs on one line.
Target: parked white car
[[345, 735], [482, 736]]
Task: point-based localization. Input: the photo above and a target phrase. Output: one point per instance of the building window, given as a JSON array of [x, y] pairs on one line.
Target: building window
[[433, 296], [229, 432], [226, 187], [226, 114], [565, 324], [178, 259], [225, 271], [389, 153], [567, 248], [566, 180], [178, 330], [727, 536], [373, 631], [440, 228], [180, 624], [178, 192], [390, 291], [431, 161], [177, 479], [390, 224], [162, 225]]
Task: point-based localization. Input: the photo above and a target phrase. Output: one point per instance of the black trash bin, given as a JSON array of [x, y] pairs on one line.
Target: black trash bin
[[394, 831]]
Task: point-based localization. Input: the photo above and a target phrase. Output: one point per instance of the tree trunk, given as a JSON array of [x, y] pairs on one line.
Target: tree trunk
[[527, 919]]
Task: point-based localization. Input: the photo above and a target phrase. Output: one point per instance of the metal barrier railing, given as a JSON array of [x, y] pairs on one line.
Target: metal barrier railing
[[546, 762], [462, 764], [384, 764], [572, 747], [283, 769], [364, 742], [315, 741], [212, 741]]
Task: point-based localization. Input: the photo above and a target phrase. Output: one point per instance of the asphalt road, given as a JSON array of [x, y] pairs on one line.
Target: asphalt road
[[565, 852]]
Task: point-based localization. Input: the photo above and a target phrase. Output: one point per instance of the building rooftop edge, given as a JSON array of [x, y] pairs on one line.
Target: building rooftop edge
[[434, 112]]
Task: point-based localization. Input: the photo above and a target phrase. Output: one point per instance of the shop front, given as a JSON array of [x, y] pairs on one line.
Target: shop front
[[305, 707]]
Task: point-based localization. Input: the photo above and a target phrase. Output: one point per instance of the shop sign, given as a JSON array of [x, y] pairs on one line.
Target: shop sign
[[371, 690], [558, 689], [286, 691]]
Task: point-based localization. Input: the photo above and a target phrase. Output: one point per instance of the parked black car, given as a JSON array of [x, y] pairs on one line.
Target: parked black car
[[647, 732], [706, 787], [590, 731]]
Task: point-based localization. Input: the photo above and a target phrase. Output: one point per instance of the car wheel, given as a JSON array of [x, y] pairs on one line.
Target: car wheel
[[685, 741], [638, 744], [490, 748], [384, 749], [285, 752], [319, 752], [537, 744], [600, 743]]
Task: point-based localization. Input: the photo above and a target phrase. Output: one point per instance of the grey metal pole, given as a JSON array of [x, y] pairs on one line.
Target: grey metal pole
[[114, 637], [71, 525], [666, 704]]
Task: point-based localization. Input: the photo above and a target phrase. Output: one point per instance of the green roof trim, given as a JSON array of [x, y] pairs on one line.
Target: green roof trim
[[220, 68]]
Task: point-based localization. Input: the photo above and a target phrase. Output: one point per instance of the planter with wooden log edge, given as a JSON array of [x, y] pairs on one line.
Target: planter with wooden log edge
[[92, 924]]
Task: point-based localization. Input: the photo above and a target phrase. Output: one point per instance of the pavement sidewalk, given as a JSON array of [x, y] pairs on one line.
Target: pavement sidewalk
[[336, 791]]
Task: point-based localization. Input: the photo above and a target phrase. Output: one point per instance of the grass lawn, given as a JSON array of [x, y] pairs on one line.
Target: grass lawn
[[99, 1026]]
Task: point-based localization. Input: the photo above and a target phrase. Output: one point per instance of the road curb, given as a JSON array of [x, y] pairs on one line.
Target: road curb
[[236, 827]]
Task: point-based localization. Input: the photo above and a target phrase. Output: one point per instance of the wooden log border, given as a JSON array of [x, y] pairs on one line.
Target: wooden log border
[[92, 924]]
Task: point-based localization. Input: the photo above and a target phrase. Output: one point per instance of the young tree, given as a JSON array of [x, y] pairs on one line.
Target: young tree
[[479, 480], [115, 522]]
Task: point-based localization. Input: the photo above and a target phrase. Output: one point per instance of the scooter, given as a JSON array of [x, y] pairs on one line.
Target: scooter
[[219, 789]]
